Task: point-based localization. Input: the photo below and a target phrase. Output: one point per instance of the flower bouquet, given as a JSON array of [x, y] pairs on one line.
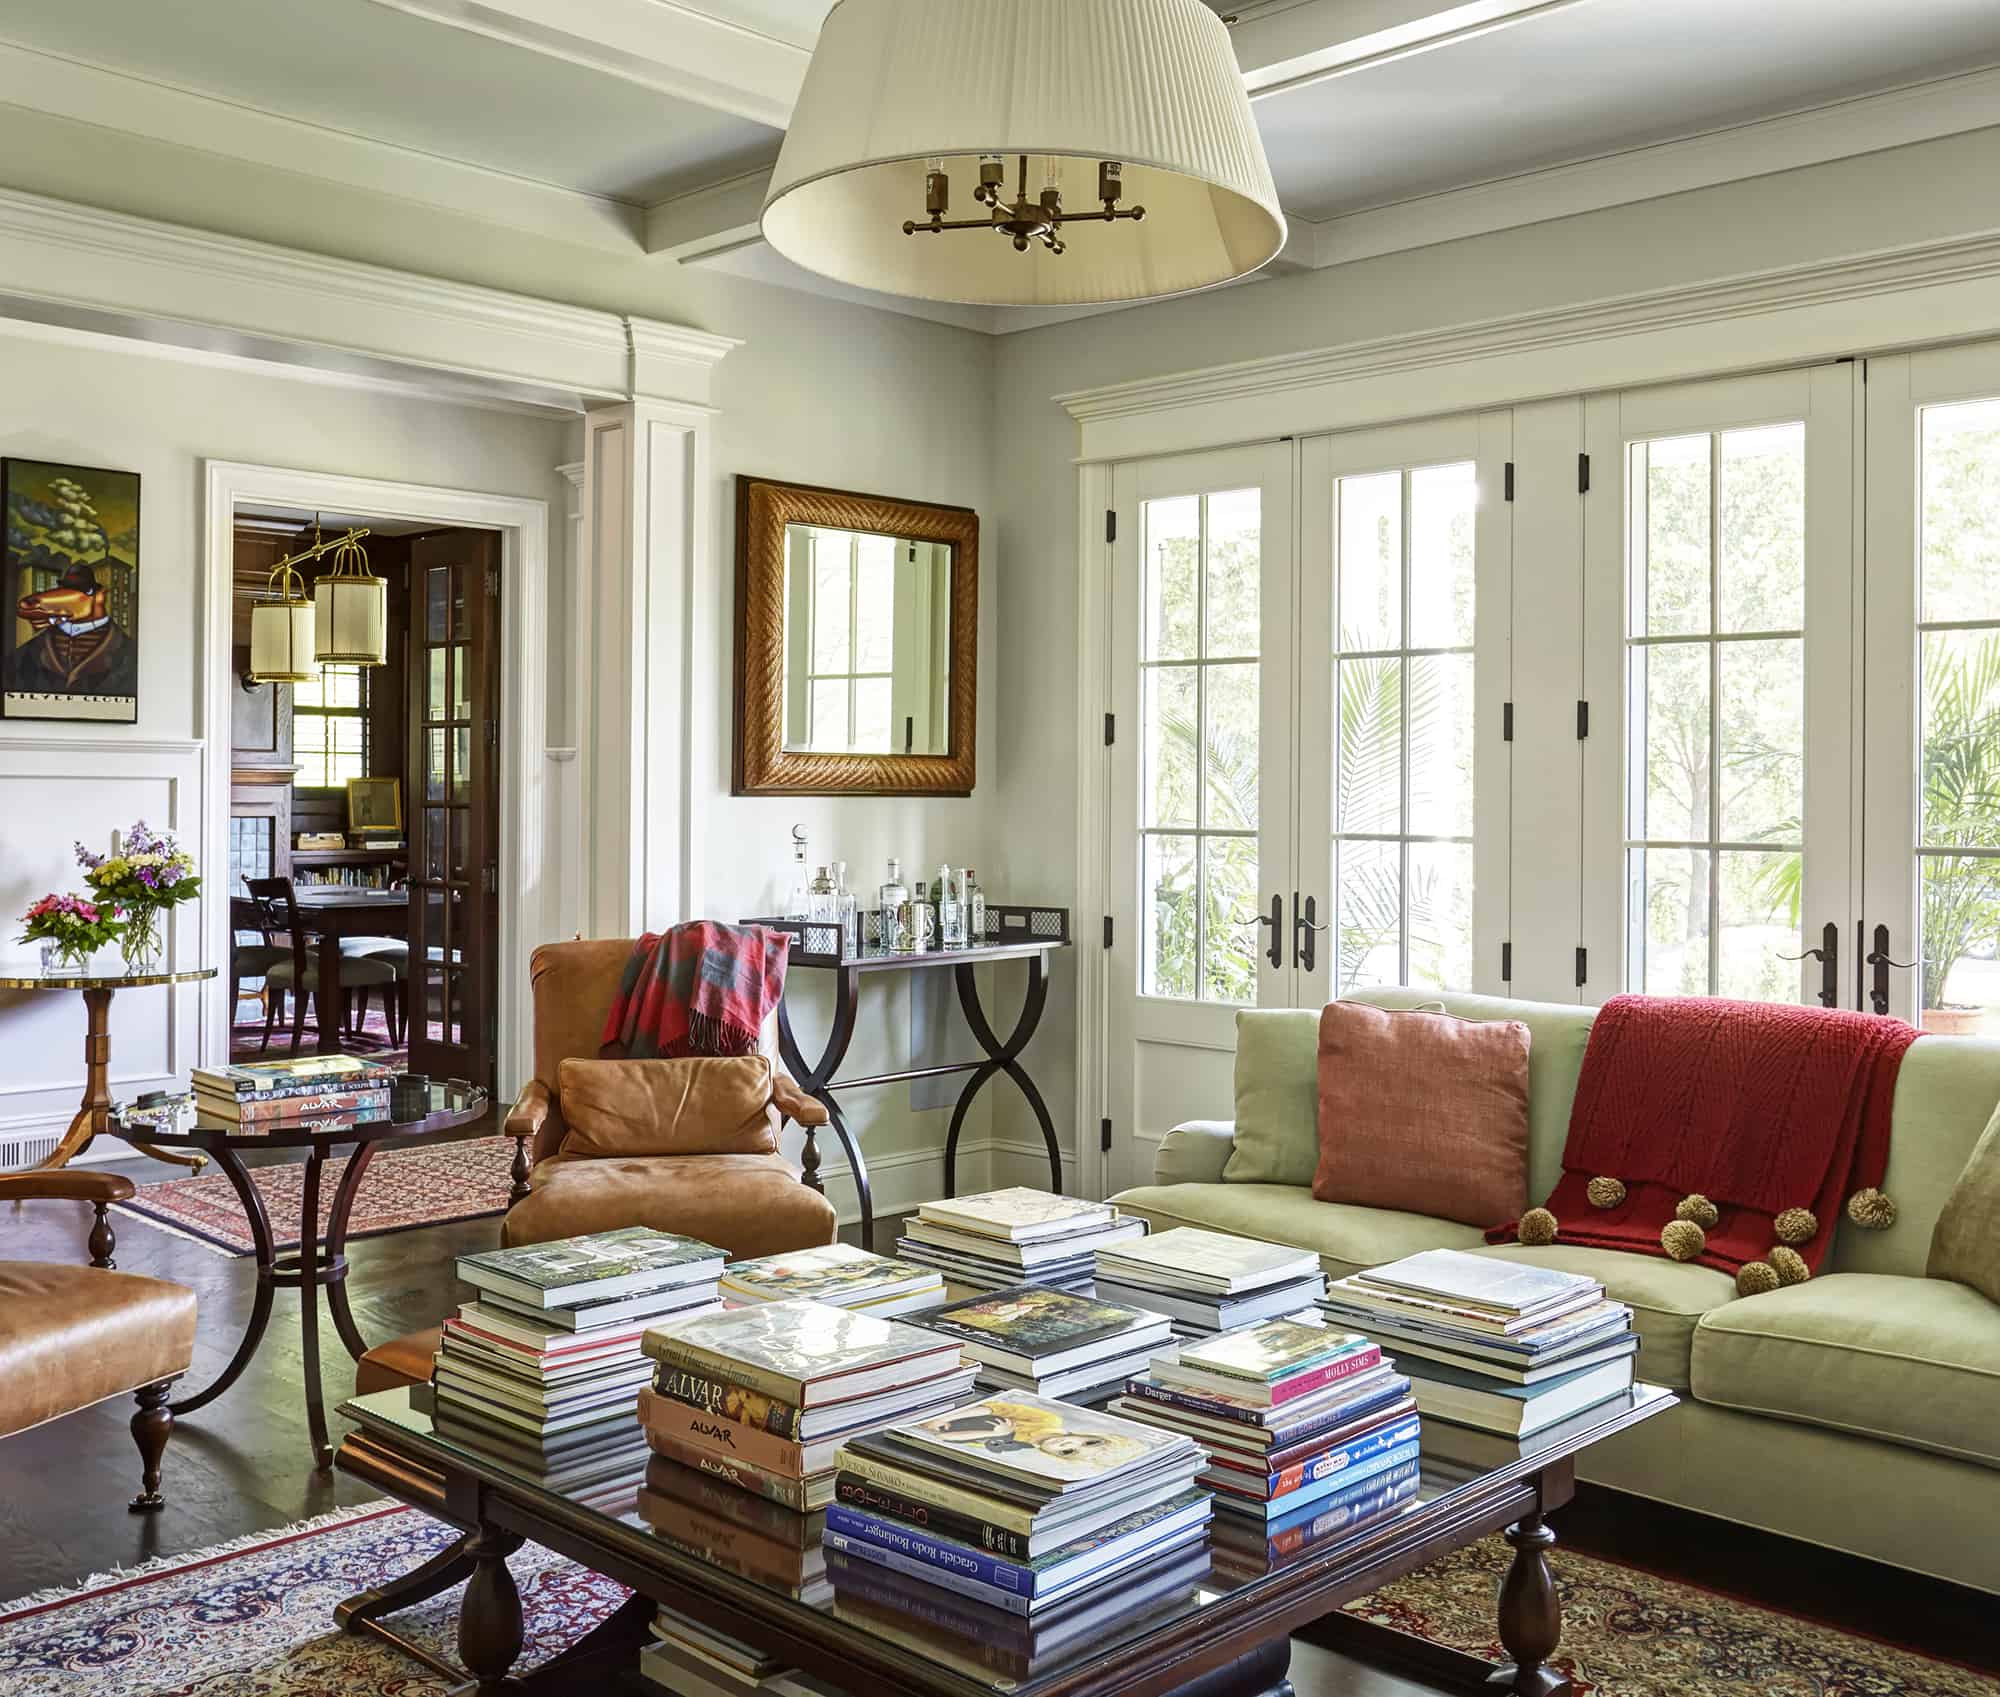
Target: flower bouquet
[[150, 874], [70, 929]]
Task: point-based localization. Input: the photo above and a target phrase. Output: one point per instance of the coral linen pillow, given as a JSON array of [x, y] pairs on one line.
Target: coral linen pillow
[[1423, 1112], [700, 1106]]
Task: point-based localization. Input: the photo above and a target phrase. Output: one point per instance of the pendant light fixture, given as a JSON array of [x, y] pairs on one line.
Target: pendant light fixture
[[1094, 150], [351, 608], [281, 630]]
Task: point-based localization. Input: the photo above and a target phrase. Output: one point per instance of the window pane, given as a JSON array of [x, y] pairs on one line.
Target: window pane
[[1758, 927], [1763, 740], [872, 731], [832, 584], [1961, 511], [1169, 899], [1443, 500], [1235, 561], [461, 681], [1440, 746], [1370, 746], [1230, 799], [434, 767], [1672, 888], [437, 593], [1672, 557], [1761, 528], [1170, 711], [435, 705], [1441, 915], [434, 842], [461, 763], [1961, 953], [875, 601], [829, 713], [1369, 574], [1173, 589], [310, 692], [1961, 746], [1369, 906], [1229, 898], [1670, 694]]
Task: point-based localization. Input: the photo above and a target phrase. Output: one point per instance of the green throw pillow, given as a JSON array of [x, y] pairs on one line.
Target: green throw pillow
[[1966, 1244], [1277, 1097]]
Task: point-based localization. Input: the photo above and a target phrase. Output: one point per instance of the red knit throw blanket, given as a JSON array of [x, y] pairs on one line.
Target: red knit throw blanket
[[1756, 1106], [699, 989]]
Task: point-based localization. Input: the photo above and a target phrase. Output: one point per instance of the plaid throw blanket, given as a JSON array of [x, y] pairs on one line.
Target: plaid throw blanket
[[700, 989]]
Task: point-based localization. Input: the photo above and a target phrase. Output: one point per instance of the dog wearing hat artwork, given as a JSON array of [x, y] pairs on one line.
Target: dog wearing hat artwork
[[71, 649]]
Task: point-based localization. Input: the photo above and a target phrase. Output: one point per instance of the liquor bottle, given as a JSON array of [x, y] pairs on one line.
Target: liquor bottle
[[951, 911], [975, 909], [890, 901], [821, 904], [799, 902]]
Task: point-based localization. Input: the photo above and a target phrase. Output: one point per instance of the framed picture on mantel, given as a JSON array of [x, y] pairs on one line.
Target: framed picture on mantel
[[69, 625]]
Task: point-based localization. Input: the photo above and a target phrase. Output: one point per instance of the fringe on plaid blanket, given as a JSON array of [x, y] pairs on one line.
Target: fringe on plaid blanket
[[704, 988]]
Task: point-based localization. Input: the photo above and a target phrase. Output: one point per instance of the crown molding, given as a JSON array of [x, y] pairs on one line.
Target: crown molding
[[193, 294], [1927, 292]]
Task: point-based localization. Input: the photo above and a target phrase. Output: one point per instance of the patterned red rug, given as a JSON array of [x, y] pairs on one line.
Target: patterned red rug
[[404, 1188]]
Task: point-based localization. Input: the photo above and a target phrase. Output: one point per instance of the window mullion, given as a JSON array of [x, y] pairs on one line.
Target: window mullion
[[1403, 668], [1714, 714]]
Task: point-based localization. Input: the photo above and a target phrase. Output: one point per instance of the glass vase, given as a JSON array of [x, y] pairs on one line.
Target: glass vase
[[141, 943], [64, 960]]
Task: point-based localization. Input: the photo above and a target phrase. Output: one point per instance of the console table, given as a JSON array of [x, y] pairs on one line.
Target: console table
[[1012, 933]]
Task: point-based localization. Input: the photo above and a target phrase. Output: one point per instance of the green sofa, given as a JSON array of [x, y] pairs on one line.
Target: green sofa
[[1859, 1410]]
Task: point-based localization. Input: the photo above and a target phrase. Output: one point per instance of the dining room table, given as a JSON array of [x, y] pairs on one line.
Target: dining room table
[[330, 913]]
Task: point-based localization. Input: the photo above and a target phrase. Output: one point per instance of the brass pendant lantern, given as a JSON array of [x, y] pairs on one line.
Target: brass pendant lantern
[[281, 630], [351, 606]]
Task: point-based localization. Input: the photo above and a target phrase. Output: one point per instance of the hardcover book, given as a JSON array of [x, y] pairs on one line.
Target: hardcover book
[[1051, 1445], [801, 1352], [832, 1272], [600, 1266], [1034, 1322], [1271, 1350], [1018, 1214], [276, 1111], [306, 1072], [1188, 1256], [1475, 1281]]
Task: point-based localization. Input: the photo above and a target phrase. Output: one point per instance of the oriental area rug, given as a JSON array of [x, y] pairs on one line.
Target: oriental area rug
[[403, 1188], [255, 1620]]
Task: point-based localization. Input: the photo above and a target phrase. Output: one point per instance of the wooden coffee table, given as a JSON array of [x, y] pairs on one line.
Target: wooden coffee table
[[1220, 1631]]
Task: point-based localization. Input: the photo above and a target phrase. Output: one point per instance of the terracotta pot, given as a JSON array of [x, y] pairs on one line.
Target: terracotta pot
[[1953, 1022]]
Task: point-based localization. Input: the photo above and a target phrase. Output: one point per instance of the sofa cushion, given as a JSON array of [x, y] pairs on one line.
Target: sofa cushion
[[1277, 1097], [1966, 1244], [1345, 1236], [746, 1204], [1667, 1298], [71, 1336], [1423, 1112], [713, 1105], [1906, 1360]]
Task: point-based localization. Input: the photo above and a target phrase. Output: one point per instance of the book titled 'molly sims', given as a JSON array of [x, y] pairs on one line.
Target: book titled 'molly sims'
[[594, 1268]]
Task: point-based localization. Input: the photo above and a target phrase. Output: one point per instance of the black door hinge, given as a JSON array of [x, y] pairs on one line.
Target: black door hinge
[[1104, 1135], [1110, 729], [1582, 720], [1107, 930], [1507, 483], [1506, 721], [1583, 474], [1582, 967], [1506, 963], [1110, 524]]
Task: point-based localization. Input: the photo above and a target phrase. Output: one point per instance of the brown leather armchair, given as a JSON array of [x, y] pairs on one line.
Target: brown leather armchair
[[74, 1336], [748, 1204]]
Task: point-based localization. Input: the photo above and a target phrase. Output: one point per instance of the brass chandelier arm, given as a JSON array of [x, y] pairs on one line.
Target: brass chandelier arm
[[291, 561]]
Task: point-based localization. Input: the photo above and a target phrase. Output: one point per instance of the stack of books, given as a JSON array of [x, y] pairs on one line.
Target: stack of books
[[1052, 1342], [1293, 1414], [545, 1365], [1018, 1500], [764, 1396], [1502, 1346], [1244, 1550], [693, 1660], [1208, 1282], [1013, 1237], [836, 1274], [321, 1092], [752, 1537]]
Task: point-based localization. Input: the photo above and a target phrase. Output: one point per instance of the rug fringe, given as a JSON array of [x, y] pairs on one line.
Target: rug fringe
[[199, 1558]]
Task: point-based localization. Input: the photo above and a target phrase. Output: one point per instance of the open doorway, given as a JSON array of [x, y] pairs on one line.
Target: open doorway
[[365, 808]]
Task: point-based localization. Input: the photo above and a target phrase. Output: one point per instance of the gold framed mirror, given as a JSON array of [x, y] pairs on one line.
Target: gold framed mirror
[[857, 637]]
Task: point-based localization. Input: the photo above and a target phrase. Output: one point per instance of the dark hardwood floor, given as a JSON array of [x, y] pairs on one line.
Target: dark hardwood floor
[[241, 1466]]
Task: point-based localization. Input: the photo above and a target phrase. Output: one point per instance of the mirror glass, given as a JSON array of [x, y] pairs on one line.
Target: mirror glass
[[867, 643]]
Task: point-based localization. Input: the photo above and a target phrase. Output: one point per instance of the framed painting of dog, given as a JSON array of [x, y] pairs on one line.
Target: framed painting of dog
[[69, 593]]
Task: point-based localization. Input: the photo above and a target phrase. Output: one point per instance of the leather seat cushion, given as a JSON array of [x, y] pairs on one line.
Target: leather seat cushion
[[1909, 1361], [400, 1361], [71, 1336], [706, 1105], [355, 971], [746, 1204]]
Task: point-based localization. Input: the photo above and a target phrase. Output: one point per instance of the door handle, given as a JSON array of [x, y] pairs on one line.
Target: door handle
[[1275, 954], [1304, 931], [1828, 956], [1878, 958]]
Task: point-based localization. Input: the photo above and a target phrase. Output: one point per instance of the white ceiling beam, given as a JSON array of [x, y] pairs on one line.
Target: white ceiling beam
[[1289, 44], [707, 222], [659, 44]]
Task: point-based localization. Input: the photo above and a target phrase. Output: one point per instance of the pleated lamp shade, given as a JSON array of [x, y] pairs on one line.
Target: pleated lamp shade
[[352, 609], [281, 640], [1152, 85]]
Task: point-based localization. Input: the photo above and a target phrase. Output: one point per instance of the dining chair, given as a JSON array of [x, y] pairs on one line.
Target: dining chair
[[298, 974]]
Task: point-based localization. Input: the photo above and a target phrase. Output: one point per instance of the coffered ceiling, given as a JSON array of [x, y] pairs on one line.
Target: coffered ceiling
[[649, 125]]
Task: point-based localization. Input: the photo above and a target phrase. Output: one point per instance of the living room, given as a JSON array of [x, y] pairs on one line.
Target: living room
[[1509, 531]]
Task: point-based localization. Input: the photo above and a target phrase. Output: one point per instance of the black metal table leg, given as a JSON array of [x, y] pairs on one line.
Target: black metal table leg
[[1002, 1057], [334, 1273], [309, 1287], [267, 1281], [814, 1078]]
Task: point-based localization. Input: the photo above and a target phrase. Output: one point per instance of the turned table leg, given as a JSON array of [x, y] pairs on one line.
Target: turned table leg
[[490, 1628], [1530, 1614], [94, 1113]]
